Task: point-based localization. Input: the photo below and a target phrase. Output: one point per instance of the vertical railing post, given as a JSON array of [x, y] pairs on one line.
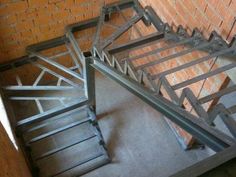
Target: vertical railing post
[[89, 83]]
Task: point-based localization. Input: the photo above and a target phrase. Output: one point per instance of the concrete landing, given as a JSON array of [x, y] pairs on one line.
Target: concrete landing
[[138, 138]]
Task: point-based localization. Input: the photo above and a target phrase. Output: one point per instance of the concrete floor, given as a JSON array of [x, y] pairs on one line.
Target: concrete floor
[[139, 140]]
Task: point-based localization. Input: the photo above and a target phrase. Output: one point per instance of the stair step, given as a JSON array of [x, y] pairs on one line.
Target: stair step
[[53, 132], [70, 158]]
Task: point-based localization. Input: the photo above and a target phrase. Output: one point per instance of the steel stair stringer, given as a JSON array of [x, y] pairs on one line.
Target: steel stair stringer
[[153, 88]]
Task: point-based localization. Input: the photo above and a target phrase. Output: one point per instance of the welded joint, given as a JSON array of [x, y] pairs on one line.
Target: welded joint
[[154, 18], [188, 94], [182, 31], [218, 43]]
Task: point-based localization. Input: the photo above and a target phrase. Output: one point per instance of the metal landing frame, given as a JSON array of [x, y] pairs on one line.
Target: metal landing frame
[[147, 86], [124, 73], [73, 79], [137, 79]]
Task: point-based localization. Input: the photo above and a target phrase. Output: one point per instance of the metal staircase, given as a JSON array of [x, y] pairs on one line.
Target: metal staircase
[[118, 55], [115, 45], [54, 117]]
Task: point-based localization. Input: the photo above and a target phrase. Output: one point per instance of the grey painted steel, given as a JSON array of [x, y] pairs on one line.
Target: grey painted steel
[[57, 75], [214, 139], [188, 94], [83, 162], [127, 75], [217, 94], [179, 54], [53, 132], [47, 44], [54, 151], [41, 88], [51, 113], [55, 118], [121, 30], [61, 67], [192, 63], [229, 122], [156, 51], [232, 109], [208, 164], [90, 84], [136, 42], [204, 76], [37, 98]]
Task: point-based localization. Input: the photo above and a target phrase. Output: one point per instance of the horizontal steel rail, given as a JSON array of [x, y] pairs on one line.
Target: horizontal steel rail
[[210, 136], [217, 94], [38, 88], [54, 151], [158, 50], [192, 63], [136, 79], [61, 67], [208, 164], [84, 162], [120, 31], [136, 42], [51, 113], [204, 76], [58, 130], [169, 57]]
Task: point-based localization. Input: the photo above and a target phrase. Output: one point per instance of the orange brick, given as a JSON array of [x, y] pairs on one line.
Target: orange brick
[[37, 3], [213, 3], [232, 34], [42, 18], [4, 10], [61, 15], [24, 25], [18, 5], [190, 6], [200, 4], [232, 6], [54, 1], [225, 28], [182, 12], [7, 30], [224, 13], [10, 19], [212, 16]]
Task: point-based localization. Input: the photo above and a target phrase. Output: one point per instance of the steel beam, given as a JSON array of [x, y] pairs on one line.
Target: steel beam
[[204, 76], [169, 57], [54, 74], [209, 136], [192, 63], [58, 130], [47, 44], [38, 88], [90, 84], [217, 94], [84, 162], [57, 65], [158, 50], [51, 113], [120, 31], [136, 42], [54, 151], [208, 164]]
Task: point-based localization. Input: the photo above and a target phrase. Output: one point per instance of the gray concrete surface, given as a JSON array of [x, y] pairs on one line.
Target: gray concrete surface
[[139, 140]]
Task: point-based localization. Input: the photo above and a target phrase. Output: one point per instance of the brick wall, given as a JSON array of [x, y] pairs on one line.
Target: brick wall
[[206, 15], [25, 22]]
